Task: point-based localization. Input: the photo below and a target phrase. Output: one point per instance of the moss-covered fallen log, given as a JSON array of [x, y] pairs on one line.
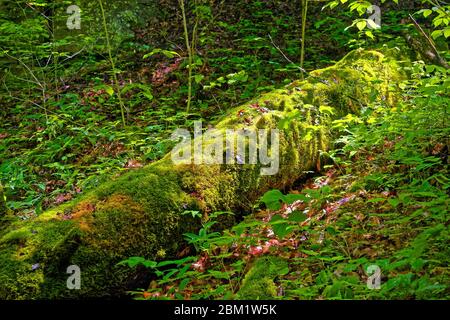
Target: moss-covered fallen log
[[140, 213]]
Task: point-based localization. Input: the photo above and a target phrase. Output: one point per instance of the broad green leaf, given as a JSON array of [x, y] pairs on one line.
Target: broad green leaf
[[447, 32], [326, 109], [427, 12], [297, 216], [109, 90], [183, 284], [133, 261], [361, 25], [167, 53], [272, 199], [291, 198], [279, 226], [436, 34], [198, 78]]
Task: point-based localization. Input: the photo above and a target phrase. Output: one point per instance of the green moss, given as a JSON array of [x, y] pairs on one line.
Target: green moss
[[259, 282], [44, 244], [16, 236]]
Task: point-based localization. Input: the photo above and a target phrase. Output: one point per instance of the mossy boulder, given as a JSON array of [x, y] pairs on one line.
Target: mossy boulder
[[140, 212]]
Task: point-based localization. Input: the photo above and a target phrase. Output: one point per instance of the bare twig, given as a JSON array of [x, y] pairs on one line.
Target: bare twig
[[287, 59], [439, 58], [290, 61], [74, 55], [26, 67]]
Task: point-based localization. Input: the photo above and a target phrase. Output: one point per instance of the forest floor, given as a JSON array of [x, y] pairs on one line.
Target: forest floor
[[371, 222]]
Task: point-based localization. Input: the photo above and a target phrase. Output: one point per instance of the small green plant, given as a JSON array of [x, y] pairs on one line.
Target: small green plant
[[113, 65]]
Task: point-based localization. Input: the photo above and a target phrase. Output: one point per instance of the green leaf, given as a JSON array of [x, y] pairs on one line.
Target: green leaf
[[430, 68], [417, 264], [283, 271], [427, 12], [310, 252], [198, 61], [167, 53], [291, 198], [272, 199], [193, 213], [438, 21], [175, 262], [198, 78], [370, 34], [334, 4], [132, 262], [326, 109], [297, 216], [149, 264], [183, 284], [148, 95], [279, 226], [109, 90], [447, 32], [436, 34], [394, 202], [361, 25], [219, 274]]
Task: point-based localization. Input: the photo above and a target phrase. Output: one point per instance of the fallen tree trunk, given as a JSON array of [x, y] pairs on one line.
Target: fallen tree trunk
[[140, 213]]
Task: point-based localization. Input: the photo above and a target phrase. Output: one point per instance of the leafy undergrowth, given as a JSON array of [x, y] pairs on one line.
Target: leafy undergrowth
[[55, 147], [379, 211]]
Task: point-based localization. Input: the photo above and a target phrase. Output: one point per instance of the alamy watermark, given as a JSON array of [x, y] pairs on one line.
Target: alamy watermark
[[74, 20], [374, 20], [74, 280], [374, 279], [228, 147]]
